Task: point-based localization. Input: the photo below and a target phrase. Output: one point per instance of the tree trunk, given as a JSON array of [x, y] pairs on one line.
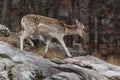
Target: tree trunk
[[4, 11]]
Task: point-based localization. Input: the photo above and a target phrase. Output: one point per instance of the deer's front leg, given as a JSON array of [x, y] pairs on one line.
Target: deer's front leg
[[21, 42], [64, 46]]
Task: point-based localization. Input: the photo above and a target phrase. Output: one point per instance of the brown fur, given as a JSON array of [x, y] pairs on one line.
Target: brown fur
[[47, 20]]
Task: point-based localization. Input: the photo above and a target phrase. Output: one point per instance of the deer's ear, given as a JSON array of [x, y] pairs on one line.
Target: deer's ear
[[80, 24], [77, 22]]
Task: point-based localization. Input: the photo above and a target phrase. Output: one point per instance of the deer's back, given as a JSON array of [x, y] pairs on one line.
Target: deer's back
[[35, 20], [52, 26]]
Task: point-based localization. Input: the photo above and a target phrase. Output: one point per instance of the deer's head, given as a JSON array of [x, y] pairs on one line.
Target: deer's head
[[81, 29]]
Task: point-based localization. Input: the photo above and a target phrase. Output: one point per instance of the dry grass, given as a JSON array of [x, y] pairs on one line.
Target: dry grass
[[57, 54], [113, 60], [13, 39], [51, 53], [110, 59], [8, 40]]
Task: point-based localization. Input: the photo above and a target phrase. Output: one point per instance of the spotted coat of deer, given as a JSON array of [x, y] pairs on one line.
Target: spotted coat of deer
[[50, 28]]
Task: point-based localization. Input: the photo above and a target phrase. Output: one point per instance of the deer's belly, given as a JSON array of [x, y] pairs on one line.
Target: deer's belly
[[48, 32], [45, 32]]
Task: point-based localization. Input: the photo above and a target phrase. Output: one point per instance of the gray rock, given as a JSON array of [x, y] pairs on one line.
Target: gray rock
[[66, 76], [25, 71], [4, 31], [58, 61], [20, 58], [22, 65], [84, 73], [6, 64]]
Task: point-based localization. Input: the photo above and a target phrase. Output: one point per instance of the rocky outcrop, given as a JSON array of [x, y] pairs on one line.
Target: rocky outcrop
[[21, 65], [4, 31]]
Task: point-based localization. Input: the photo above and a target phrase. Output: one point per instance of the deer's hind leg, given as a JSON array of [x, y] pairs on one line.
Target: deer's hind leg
[[47, 44], [25, 35], [30, 41]]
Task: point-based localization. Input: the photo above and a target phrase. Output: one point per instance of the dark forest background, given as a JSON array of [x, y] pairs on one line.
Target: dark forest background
[[101, 18]]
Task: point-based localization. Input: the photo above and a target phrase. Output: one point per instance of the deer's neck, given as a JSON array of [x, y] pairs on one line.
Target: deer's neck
[[70, 29]]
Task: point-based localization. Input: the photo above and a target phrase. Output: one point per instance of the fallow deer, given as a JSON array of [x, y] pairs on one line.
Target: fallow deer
[[50, 28]]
